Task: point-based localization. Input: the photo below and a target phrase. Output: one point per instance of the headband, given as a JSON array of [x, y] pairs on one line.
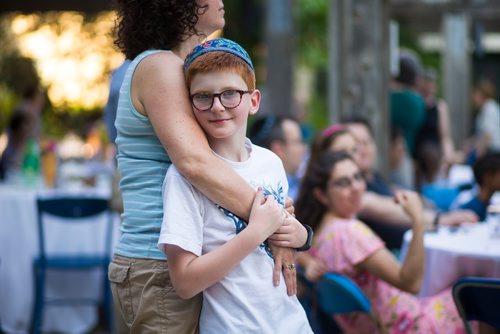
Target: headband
[[332, 129], [218, 44]]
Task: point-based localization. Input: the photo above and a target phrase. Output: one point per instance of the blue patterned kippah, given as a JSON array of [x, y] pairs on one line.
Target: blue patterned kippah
[[218, 44]]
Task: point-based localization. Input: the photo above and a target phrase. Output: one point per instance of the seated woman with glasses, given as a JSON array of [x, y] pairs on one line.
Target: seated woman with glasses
[[329, 200]]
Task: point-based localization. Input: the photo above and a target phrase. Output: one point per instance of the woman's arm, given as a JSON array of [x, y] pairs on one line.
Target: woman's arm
[[382, 263], [383, 209], [444, 132], [192, 274]]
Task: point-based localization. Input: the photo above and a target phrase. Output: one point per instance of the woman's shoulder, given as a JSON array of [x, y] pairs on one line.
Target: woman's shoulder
[[158, 68], [350, 239], [158, 59], [352, 228], [341, 225]]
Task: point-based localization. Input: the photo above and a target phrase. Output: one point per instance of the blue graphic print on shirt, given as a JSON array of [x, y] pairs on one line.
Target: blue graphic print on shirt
[[240, 224]]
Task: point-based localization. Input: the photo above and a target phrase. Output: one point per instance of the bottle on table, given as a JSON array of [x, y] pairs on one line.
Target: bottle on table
[[31, 162]]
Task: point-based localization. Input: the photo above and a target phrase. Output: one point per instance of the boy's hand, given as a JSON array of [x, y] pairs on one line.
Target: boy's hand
[[291, 234], [266, 215]]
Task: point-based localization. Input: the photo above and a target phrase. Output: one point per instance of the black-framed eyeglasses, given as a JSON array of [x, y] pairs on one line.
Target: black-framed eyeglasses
[[230, 99], [346, 182]]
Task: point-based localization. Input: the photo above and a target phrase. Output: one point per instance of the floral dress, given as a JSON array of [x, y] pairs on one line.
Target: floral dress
[[344, 243]]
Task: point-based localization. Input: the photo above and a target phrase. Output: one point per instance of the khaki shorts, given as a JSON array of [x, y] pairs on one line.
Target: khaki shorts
[[145, 300]]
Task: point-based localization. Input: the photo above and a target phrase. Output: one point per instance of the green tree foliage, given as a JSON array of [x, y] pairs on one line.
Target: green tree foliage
[[311, 17], [18, 73], [311, 20]]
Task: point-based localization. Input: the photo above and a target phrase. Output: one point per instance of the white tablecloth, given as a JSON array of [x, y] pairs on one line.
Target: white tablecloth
[[455, 253], [18, 247]]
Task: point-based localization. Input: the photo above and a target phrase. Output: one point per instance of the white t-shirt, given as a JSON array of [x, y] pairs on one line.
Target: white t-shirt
[[488, 121], [245, 301]]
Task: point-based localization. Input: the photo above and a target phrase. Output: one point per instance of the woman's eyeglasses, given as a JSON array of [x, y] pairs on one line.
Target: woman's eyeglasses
[[230, 99], [346, 182]]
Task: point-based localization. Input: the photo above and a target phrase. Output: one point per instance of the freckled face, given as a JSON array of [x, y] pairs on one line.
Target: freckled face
[[219, 122]]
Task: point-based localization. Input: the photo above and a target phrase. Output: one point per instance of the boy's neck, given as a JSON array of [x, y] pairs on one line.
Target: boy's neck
[[232, 149]]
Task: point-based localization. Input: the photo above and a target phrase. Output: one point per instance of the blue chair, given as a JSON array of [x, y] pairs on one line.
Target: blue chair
[[478, 299], [338, 294], [72, 211], [333, 294], [320, 321]]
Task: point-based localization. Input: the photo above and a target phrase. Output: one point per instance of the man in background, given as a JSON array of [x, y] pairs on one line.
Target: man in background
[[283, 136]]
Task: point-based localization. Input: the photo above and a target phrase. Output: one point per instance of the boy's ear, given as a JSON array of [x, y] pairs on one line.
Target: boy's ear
[[255, 100]]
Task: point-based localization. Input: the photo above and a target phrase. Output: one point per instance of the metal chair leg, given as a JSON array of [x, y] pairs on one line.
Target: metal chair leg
[[39, 296]]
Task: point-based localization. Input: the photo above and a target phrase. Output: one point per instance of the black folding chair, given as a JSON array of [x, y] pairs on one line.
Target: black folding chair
[[478, 299]]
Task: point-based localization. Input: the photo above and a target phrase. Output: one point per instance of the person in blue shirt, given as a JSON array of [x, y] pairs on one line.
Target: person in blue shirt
[[114, 91], [487, 175]]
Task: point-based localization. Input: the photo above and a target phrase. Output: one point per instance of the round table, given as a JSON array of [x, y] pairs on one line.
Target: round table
[[452, 253]]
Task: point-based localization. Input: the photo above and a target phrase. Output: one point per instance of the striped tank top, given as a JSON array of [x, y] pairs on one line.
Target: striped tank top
[[142, 163]]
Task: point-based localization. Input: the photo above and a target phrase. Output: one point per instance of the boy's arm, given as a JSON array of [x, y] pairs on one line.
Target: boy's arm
[[192, 274]]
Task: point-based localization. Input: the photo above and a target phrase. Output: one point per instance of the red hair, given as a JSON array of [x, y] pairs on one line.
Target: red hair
[[220, 61]]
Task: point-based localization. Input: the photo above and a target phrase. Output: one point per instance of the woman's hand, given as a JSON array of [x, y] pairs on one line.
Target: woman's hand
[[284, 259], [458, 217], [291, 234], [412, 204]]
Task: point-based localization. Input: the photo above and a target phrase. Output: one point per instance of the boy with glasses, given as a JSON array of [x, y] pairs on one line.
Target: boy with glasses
[[209, 248]]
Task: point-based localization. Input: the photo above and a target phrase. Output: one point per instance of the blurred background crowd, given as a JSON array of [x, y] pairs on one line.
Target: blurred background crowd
[[408, 87], [426, 81]]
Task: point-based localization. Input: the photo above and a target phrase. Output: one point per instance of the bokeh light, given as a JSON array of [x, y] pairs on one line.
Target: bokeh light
[[74, 56]]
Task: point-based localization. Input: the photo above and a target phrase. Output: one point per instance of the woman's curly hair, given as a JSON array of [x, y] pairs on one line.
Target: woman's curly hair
[[154, 24]]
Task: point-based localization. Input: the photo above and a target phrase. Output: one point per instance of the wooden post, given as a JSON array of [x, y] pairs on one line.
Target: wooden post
[[456, 73], [359, 66], [279, 40]]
